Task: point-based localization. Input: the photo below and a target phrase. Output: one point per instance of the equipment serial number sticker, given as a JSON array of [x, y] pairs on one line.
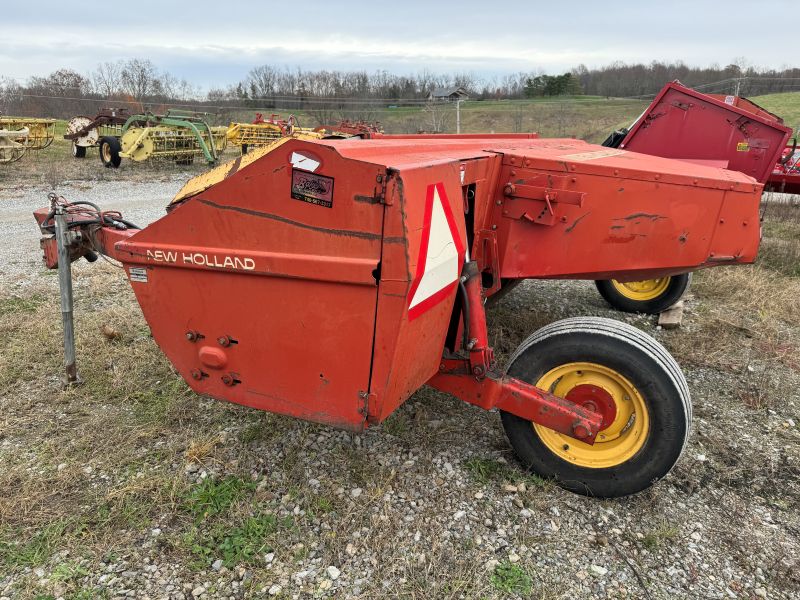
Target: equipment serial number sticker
[[138, 274], [743, 147], [312, 188]]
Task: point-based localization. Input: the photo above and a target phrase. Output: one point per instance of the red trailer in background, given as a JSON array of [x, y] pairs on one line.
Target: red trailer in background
[[785, 178], [721, 131]]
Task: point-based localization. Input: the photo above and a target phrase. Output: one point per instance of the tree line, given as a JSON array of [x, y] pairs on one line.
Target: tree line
[[138, 83]]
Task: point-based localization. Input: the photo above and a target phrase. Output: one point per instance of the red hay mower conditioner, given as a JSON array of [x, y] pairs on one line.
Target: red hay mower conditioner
[[331, 279]]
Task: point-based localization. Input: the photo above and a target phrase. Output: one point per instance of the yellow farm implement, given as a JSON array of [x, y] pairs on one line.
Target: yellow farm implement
[[20, 134], [176, 136], [263, 132]]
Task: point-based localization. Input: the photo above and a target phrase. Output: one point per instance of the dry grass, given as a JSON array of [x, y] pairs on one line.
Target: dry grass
[[750, 316], [780, 248]]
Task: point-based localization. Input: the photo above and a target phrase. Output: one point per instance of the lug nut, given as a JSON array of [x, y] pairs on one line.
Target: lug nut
[[197, 374], [227, 380], [224, 341], [192, 336]]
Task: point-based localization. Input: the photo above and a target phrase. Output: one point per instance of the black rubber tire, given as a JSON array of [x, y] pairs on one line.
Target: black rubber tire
[[644, 363], [113, 147], [78, 151], [244, 149], [678, 285]]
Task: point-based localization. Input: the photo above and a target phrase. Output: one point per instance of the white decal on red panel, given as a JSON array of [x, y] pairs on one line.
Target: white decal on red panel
[[301, 161], [440, 257]]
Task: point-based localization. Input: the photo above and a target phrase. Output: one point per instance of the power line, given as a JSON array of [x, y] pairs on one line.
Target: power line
[[303, 102]]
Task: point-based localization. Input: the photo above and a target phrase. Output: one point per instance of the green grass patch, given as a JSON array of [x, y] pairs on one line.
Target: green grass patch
[[213, 497], [487, 470], [786, 106], [15, 553], [242, 544], [662, 534], [154, 404], [511, 579], [20, 305], [68, 572]]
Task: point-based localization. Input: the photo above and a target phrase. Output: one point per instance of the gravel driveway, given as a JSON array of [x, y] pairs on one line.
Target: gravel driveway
[[140, 202]]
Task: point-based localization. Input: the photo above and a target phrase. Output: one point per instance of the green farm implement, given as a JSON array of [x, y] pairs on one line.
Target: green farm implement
[[177, 136]]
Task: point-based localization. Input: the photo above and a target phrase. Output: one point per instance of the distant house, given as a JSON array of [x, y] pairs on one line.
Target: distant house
[[448, 94]]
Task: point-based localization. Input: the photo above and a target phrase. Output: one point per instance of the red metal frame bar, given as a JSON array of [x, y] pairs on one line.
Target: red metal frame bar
[[473, 379], [518, 398]]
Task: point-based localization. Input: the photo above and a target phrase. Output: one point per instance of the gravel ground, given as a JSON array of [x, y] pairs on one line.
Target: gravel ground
[[431, 504], [142, 202]]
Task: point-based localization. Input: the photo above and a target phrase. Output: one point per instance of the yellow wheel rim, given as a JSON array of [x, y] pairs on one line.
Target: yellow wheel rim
[[626, 425], [106, 153], [647, 289]]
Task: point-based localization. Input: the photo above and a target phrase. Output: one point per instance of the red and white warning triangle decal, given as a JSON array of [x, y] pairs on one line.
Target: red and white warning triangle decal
[[441, 254]]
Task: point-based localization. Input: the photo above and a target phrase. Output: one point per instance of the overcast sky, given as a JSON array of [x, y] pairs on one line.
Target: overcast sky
[[214, 43]]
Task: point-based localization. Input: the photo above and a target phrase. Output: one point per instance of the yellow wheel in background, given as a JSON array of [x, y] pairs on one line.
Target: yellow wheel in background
[[626, 421], [109, 151], [647, 289], [650, 296]]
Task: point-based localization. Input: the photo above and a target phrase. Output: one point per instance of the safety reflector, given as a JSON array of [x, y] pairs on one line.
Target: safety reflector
[[441, 253]]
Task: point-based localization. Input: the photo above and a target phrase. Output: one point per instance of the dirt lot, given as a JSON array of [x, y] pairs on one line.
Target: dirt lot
[[132, 486]]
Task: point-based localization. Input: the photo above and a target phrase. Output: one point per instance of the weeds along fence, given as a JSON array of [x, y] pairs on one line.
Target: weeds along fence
[[780, 245]]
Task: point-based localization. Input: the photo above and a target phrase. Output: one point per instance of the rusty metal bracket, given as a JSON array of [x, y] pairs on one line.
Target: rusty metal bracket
[[537, 204]]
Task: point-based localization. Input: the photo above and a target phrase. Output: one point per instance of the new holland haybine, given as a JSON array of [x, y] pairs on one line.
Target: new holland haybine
[[330, 279]]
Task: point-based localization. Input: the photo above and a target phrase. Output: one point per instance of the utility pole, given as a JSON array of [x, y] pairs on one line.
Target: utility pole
[[458, 115], [738, 86]]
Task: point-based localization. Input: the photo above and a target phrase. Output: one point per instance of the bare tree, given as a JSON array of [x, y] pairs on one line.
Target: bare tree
[[107, 79], [63, 82], [262, 81], [438, 116], [140, 78], [10, 95]]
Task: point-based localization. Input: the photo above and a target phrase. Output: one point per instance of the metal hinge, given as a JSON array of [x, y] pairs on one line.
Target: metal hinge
[[380, 190]]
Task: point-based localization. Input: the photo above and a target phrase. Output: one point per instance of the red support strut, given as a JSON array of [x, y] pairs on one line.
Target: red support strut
[[488, 389]]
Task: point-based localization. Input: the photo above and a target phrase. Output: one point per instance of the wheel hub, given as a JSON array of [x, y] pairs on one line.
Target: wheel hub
[[596, 399], [625, 419]]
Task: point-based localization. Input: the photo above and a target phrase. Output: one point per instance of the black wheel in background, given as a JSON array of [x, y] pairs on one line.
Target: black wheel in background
[[110, 148]]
